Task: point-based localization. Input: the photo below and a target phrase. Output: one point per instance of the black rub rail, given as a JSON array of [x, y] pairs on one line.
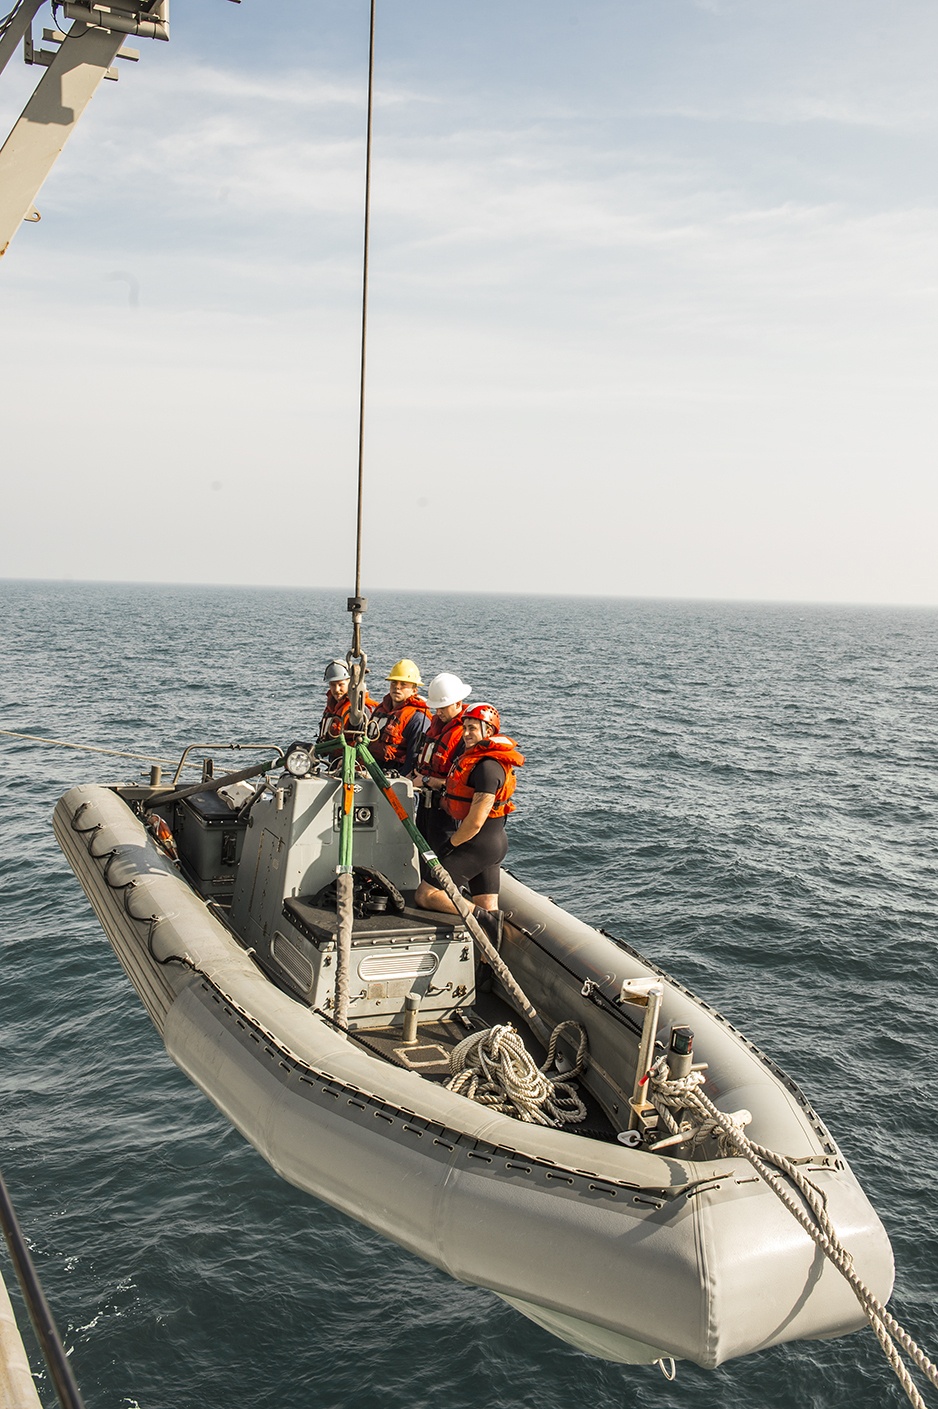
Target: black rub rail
[[49, 1340]]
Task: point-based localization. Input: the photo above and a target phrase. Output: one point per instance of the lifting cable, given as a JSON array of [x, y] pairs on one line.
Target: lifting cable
[[365, 253], [354, 747], [356, 659]]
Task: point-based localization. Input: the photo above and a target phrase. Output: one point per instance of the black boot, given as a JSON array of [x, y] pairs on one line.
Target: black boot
[[491, 922]]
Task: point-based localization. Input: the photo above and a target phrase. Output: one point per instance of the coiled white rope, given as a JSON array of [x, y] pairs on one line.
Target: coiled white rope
[[685, 1095], [495, 1068]]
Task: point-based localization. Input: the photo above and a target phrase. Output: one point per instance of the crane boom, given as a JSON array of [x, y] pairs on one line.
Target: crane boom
[[83, 57]]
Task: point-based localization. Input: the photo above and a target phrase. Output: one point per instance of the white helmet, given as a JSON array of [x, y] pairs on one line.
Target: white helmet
[[446, 690]]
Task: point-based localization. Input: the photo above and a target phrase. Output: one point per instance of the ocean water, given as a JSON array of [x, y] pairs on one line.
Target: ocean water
[[748, 793]]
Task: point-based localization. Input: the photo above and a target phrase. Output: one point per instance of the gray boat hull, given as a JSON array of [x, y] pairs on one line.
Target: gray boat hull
[[629, 1255]]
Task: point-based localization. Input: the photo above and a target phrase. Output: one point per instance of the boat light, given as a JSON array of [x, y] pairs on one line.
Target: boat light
[[299, 762]]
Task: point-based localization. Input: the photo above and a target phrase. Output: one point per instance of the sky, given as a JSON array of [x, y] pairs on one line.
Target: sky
[[654, 287]]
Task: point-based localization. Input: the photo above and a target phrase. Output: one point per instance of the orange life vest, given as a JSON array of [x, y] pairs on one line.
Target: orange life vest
[[439, 746], [458, 796], [335, 715], [389, 748]]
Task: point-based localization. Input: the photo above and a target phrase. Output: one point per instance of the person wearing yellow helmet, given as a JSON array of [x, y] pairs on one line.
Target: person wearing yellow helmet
[[402, 716]]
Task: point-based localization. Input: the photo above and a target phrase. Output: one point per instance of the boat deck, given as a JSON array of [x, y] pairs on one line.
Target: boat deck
[[437, 1035], [429, 1056]]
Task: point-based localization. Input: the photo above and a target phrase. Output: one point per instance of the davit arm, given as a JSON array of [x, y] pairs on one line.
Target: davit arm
[[84, 55]]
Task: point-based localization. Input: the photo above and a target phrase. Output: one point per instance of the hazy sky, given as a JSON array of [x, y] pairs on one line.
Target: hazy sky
[[654, 296]]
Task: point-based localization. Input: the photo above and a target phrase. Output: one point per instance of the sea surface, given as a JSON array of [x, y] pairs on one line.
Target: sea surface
[[748, 793]]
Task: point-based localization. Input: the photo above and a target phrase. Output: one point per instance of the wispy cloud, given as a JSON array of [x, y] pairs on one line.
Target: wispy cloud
[[684, 308]]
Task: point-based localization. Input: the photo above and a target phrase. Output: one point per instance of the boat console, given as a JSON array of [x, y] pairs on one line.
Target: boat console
[[283, 904], [393, 954]]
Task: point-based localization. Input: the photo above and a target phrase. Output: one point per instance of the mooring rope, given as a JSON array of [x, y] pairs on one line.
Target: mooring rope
[[685, 1094], [495, 1069], [93, 748]]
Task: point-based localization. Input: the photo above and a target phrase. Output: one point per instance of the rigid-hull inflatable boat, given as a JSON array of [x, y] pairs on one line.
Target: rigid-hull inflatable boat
[[629, 1254]]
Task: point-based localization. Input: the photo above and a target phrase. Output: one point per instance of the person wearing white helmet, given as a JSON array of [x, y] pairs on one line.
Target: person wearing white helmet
[[402, 717], [446, 696], [335, 715]]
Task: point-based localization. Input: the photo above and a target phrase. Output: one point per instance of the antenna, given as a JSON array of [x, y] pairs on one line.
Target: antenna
[[358, 604]]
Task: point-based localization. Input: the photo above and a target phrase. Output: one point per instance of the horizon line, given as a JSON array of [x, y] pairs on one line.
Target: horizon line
[[492, 592]]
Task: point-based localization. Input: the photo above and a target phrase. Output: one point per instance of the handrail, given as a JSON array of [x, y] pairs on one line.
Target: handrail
[[49, 1340], [249, 748]]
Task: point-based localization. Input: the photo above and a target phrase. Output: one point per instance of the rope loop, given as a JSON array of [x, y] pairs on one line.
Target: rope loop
[[494, 1068], [673, 1097], [582, 1043]]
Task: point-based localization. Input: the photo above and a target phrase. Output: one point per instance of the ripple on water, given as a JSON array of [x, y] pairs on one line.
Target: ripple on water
[[749, 795]]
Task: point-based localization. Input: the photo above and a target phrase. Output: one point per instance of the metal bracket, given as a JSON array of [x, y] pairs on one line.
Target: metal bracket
[[32, 55], [44, 57], [638, 990]]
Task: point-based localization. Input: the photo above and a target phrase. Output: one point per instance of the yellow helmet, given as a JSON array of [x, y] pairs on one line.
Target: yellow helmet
[[405, 670]]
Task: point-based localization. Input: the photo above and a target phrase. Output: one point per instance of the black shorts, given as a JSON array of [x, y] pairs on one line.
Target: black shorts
[[475, 866], [436, 827]]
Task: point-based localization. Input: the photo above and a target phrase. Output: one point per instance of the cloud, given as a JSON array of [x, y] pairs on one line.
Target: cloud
[[675, 351]]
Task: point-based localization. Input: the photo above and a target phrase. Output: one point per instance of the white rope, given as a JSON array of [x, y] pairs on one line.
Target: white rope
[[495, 1068], [685, 1095], [93, 748]]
